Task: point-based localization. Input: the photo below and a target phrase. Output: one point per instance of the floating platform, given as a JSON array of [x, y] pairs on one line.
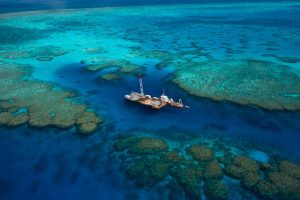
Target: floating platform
[[154, 102]]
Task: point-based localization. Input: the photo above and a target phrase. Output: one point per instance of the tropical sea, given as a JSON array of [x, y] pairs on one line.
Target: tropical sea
[[98, 54]]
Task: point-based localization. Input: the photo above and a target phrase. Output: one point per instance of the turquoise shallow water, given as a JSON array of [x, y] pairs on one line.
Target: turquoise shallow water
[[51, 163]]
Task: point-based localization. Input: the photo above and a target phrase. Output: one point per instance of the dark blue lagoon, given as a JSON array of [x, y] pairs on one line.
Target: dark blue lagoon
[[67, 132]]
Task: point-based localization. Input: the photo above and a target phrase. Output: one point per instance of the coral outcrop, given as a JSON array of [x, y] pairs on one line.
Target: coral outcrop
[[172, 157], [147, 171], [264, 84], [11, 35], [212, 171], [200, 152], [244, 169], [283, 183], [289, 168], [118, 67], [267, 190], [189, 178], [149, 162], [42, 53], [110, 76], [216, 190], [124, 142], [288, 187], [147, 145], [94, 50], [42, 103]]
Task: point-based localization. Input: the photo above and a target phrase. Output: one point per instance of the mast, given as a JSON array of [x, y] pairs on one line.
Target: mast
[[180, 102], [141, 85]]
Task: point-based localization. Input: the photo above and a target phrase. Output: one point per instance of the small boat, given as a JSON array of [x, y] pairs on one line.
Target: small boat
[[154, 102]]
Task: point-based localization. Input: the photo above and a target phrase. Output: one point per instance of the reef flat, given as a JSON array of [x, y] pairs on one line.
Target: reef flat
[[44, 53], [247, 82], [119, 67], [204, 167], [38, 103]]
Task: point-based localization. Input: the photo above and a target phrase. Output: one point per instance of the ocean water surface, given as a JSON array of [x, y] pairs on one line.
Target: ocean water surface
[[59, 46]]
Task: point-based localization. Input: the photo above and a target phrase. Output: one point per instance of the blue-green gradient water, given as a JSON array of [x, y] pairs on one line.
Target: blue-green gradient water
[[50, 163]]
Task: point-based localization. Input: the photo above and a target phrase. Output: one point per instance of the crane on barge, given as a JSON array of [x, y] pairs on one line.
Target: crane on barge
[[154, 102]]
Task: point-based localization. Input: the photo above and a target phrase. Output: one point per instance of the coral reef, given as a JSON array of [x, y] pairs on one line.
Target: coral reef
[[44, 59], [157, 162], [234, 171], [148, 145], [172, 157], [159, 170], [249, 180], [124, 142], [43, 53], [120, 67], [15, 54], [87, 122], [149, 162], [288, 187], [282, 183], [15, 35], [110, 76], [166, 58], [49, 52], [244, 169], [181, 38], [18, 119], [140, 145], [99, 63], [189, 178], [246, 163], [94, 50], [155, 54], [289, 168], [267, 189], [200, 153], [216, 190], [266, 167], [45, 106], [136, 169], [212, 171], [148, 171], [265, 84]]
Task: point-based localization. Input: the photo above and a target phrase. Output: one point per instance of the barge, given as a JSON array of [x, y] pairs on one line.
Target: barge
[[154, 102]]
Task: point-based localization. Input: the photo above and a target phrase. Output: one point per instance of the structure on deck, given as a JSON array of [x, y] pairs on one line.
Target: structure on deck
[[154, 102]]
